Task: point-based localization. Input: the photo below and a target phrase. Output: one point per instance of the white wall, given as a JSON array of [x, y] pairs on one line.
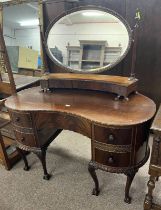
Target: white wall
[[61, 34], [9, 36], [27, 38]]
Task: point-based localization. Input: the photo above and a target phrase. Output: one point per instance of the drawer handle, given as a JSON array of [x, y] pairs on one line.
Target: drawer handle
[[110, 160], [111, 138], [22, 139], [17, 119]]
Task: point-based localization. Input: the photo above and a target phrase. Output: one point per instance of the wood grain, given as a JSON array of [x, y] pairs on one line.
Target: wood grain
[[96, 106]]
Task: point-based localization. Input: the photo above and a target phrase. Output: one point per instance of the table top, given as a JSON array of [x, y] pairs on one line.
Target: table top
[[21, 81], [96, 106], [156, 126]]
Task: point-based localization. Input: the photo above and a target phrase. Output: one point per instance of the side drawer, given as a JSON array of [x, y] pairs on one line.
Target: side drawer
[[118, 136], [156, 151], [26, 139], [21, 119], [112, 159]]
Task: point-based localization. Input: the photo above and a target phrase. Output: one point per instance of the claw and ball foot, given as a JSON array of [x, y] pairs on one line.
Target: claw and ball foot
[[26, 168], [46, 176], [127, 199], [95, 192]]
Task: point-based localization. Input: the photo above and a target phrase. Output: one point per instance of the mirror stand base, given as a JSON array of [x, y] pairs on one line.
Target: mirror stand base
[[121, 86]]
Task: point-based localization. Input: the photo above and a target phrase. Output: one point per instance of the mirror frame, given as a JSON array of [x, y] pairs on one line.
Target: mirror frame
[[89, 7]]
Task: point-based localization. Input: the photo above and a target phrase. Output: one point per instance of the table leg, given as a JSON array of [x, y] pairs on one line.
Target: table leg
[[92, 171], [4, 155], [130, 176], [42, 157], [23, 156], [149, 196]]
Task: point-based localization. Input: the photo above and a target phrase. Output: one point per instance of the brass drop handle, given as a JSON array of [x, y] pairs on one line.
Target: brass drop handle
[[17, 119], [111, 138], [110, 160], [22, 139]]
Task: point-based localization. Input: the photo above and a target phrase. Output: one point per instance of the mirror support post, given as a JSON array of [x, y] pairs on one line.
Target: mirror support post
[[42, 41], [134, 46]]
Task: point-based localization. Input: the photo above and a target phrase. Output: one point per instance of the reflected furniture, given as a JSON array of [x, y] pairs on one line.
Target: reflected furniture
[[22, 57], [91, 54], [118, 129], [22, 82], [30, 72], [155, 163]]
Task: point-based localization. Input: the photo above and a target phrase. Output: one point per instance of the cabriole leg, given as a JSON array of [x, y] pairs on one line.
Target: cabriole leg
[[130, 176], [23, 156], [92, 171], [42, 157]]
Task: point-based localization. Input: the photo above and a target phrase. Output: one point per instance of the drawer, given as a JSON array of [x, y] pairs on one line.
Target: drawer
[[156, 151], [26, 139], [112, 159], [113, 135], [21, 119], [64, 121]]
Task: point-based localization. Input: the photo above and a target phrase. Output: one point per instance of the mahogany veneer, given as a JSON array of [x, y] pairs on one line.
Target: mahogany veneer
[[122, 86], [118, 129]]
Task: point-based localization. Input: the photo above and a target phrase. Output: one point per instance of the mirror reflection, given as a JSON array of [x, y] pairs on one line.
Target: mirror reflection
[[22, 38], [88, 40]]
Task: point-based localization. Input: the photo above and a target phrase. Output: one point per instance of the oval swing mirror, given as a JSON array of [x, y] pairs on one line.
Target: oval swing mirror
[[88, 40]]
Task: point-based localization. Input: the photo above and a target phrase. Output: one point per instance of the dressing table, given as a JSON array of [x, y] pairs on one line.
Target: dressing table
[[106, 109]]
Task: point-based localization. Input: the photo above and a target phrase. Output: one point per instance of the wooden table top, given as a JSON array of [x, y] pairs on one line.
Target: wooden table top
[[21, 81], [96, 106]]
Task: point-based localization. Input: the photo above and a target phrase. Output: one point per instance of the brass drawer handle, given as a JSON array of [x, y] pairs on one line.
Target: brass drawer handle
[[17, 119], [111, 160], [111, 138]]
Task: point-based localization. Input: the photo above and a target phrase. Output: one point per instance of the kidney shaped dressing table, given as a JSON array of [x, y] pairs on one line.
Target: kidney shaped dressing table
[[86, 103]]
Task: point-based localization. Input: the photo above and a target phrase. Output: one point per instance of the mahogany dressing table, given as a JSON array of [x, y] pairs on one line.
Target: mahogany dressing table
[[118, 129], [107, 109]]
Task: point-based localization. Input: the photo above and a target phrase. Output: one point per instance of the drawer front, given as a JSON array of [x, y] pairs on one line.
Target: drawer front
[[64, 121], [113, 135], [21, 119], [112, 159], [156, 151], [26, 139]]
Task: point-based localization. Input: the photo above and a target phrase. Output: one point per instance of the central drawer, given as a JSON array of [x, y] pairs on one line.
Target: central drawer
[[118, 136], [64, 121]]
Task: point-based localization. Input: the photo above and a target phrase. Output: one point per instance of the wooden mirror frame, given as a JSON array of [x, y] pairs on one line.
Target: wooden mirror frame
[[89, 7]]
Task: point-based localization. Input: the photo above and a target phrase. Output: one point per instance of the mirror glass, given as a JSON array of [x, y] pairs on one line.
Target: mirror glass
[[22, 38], [88, 40]]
